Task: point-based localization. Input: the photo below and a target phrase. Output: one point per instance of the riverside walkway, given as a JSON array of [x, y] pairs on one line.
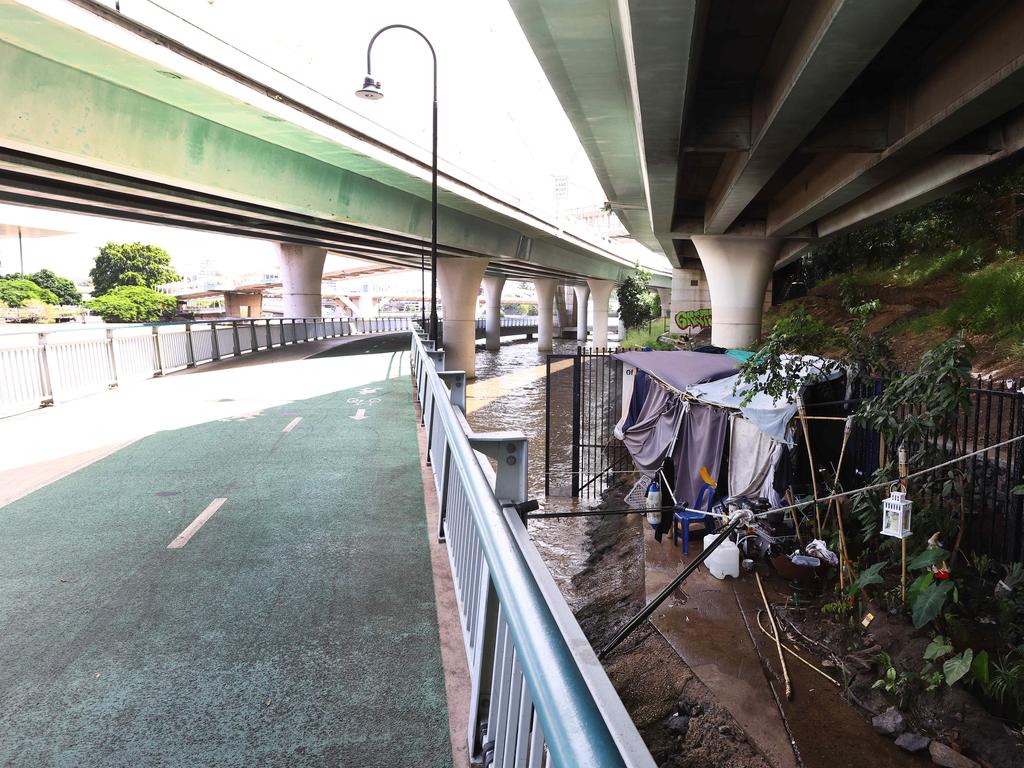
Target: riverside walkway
[[234, 570]]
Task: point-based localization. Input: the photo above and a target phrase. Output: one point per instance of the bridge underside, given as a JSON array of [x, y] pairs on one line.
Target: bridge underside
[[783, 121], [104, 118]]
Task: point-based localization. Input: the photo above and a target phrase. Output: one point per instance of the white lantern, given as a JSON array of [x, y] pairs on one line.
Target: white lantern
[[896, 515]]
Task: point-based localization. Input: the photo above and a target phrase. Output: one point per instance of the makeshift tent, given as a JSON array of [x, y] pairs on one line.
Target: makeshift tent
[[686, 410]]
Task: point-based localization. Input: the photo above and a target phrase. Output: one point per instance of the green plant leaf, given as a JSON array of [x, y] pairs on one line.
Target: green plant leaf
[[919, 584], [928, 557], [939, 646], [868, 577], [957, 666], [979, 669], [930, 602], [1019, 490]]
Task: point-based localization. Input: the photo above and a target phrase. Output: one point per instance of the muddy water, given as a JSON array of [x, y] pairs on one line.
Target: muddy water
[[509, 394]]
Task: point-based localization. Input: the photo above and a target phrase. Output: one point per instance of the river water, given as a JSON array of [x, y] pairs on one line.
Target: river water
[[509, 393]]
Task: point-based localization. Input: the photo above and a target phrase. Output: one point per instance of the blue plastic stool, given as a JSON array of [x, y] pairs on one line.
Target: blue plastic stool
[[683, 516]]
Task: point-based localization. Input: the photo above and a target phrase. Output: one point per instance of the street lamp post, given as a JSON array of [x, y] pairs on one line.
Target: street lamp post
[[371, 90]]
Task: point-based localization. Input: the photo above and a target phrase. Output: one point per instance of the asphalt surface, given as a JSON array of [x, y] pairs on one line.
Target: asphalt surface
[[296, 627]]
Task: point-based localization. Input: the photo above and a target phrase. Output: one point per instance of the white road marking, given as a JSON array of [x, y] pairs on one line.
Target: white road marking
[[195, 525], [360, 415], [292, 423], [369, 390]]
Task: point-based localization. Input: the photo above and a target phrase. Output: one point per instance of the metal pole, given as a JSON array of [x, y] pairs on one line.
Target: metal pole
[[433, 220], [742, 517], [21, 250]]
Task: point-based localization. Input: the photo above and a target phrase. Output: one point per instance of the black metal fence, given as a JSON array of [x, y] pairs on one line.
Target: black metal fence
[[584, 396], [583, 458]]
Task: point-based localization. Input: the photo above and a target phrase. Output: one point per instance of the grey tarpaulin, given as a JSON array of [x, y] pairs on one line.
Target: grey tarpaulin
[[648, 440], [701, 443], [680, 369]]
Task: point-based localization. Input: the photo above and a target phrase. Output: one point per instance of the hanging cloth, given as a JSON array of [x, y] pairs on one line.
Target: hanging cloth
[[650, 438], [753, 460], [701, 444]]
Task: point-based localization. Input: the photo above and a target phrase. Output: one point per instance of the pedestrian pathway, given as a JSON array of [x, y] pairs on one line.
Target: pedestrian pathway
[[251, 590]]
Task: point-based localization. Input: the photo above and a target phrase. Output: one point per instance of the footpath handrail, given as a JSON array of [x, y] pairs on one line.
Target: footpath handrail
[[537, 684], [46, 367]]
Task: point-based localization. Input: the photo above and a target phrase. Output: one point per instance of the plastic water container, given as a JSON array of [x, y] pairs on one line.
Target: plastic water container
[[725, 560]]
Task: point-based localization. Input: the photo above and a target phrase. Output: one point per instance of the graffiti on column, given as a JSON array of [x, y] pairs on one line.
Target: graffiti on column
[[693, 318]]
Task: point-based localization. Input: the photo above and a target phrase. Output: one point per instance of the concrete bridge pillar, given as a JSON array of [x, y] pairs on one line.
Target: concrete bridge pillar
[[545, 311], [243, 304], [366, 305], [302, 270], [458, 283], [665, 297], [582, 297], [602, 291], [738, 270], [493, 285]]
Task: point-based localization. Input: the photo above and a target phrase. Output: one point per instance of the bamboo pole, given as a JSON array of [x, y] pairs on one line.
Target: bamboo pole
[[810, 460], [902, 456], [778, 642], [843, 557]]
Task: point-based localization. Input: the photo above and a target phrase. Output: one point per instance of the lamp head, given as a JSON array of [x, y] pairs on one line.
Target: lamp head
[[370, 90]]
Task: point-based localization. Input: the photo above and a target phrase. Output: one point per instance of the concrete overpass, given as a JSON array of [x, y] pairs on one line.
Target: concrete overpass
[[732, 135], [163, 123]]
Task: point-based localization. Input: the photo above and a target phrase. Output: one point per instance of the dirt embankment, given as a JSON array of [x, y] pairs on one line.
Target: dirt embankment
[[900, 305]]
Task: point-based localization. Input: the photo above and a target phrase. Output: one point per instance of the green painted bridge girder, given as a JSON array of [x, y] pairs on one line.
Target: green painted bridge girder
[[71, 97]]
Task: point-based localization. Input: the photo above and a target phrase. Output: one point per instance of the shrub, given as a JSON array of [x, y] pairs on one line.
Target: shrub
[[636, 303], [133, 304], [16, 291], [61, 287]]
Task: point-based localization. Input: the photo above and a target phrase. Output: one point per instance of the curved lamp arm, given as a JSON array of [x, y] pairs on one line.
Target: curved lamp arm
[[379, 32]]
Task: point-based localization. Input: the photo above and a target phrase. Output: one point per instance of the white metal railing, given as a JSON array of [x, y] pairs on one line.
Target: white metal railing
[[510, 322], [38, 369], [539, 695]]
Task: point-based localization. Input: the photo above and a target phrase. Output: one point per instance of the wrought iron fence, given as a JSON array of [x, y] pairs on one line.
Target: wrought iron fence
[[39, 369], [584, 403]]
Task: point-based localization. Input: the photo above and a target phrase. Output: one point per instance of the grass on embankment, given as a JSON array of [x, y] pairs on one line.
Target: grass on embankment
[[927, 296]]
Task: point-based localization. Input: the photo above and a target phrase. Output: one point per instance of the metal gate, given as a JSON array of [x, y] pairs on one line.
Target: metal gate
[[582, 457]]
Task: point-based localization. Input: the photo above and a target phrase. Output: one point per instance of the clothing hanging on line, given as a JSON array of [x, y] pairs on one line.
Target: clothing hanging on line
[[753, 461]]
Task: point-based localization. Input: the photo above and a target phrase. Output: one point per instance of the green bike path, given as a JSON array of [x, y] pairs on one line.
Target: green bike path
[[296, 627]]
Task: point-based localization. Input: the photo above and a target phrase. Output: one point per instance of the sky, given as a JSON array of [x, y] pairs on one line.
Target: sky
[[499, 120]]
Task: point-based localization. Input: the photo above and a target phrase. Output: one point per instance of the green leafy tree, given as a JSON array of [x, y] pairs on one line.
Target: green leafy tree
[[61, 287], [133, 304], [636, 303], [16, 291], [124, 264]]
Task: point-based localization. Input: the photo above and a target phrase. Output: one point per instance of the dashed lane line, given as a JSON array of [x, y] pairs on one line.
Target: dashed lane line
[[182, 538], [292, 423]]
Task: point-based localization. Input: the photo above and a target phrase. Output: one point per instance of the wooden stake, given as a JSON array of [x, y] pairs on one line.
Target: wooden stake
[[839, 504], [810, 460], [778, 642]]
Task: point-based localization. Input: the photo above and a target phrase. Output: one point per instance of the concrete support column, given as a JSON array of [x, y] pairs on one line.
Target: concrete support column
[[302, 269], [582, 297], [493, 285], [602, 291], [366, 305], [243, 304], [665, 297], [738, 270], [458, 284], [545, 310]]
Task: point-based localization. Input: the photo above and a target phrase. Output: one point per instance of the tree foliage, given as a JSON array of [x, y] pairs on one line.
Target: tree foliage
[[131, 264], [133, 304], [16, 291], [65, 290], [636, 303]]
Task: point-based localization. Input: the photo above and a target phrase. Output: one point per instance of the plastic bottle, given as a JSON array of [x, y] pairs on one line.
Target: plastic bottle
[[653, 503]]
